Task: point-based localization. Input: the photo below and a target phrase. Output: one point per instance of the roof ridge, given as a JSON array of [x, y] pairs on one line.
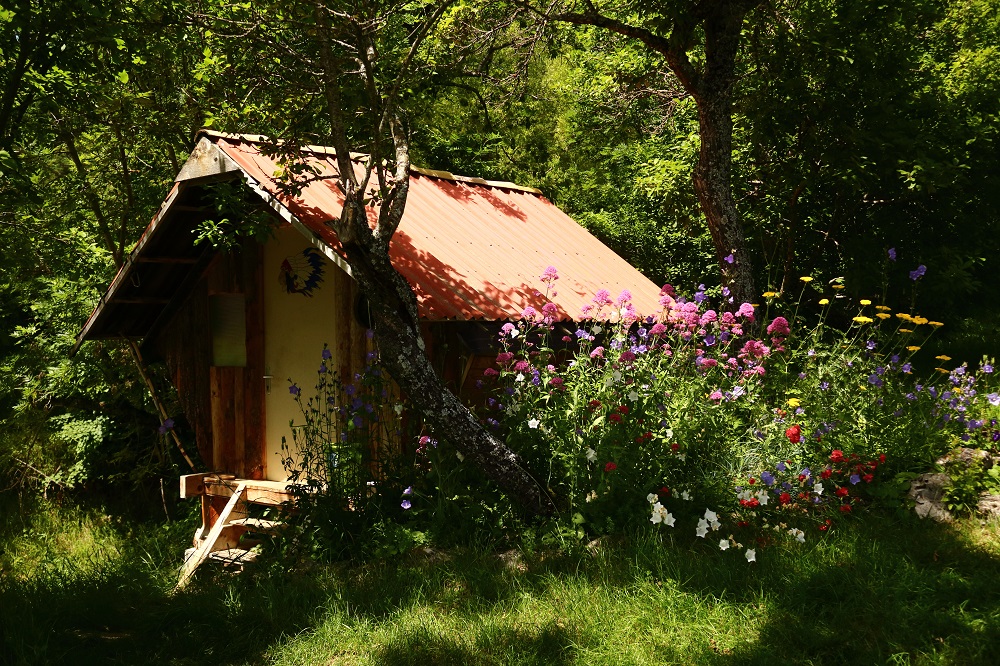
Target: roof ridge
[[423, 171]]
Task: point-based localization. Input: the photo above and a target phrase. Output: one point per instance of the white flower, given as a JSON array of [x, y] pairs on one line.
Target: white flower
[[799, 535], [513, 333], [597, 330], [711, 516], [591, 455], [652, 498], [661, 515], [633, 396], [685, 495], [617, 375], [533, 423], [723, 544], [762, 497], [520, 377], [669, 433], [608, 382], [751, 555], [818, 488], [460, 456], [702, 528], [682, 456], [398, 408]]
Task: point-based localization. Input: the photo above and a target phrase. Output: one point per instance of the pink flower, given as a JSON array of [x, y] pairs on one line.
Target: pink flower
[[550, 275], [779, 327], [490, 372], [754, 349], [557, 383], [598, 352], [709, 363], [550, 312], [602, 298], [746, 311], [529, 313], [522, 366], [503, 358], [709, 317], [658, 329], [623, 298], [715, 395]]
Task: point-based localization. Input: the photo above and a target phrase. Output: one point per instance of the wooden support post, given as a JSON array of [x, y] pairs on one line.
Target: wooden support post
[[202, 551]]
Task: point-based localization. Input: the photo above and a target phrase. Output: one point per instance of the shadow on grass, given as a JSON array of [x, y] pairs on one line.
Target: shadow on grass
[[878, 591]]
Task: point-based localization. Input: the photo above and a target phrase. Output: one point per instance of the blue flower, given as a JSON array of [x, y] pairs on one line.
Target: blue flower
[[892, 254], [294, 390], [918, 272], [855, 479], [767, 478], [327, 354], [780, 467], [408, 491], [405, 504]]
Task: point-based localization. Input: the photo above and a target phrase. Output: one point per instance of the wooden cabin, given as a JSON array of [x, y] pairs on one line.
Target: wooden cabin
[[234, 327]]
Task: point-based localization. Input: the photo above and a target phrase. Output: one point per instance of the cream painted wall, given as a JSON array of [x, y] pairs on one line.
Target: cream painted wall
[[295, 328]]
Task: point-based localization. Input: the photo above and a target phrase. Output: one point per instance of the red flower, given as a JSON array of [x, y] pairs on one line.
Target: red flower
[[742, 523], [594, 404], [846, 508], [615, 418], [784, 498], [881, 458], [623, 409], [665, 491], [837, 456], [794, 434], [826, 473], [752, 481], [868, 478], [842, 492], [610, 467], [675, 446], [824, 528]]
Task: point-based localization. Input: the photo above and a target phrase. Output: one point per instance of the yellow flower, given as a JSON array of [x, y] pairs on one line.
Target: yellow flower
[[883, 315], [905, 330], [942, 357], [769, 294], [942, 370], [824, 301], [865, 301], [864, 320], [794, 402], [883, 308], [836, 286], [935, 324], [920, 320], [913, 348], [806, 278], [904, 316]]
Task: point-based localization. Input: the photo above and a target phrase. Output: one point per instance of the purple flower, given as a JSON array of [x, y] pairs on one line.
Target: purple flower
[[294, 390], [907, 368], [167, 424], [824, 386], [322, 368], [369, 333], [780, 467], [408, 491], [855, 479], [994, 399], [327, 354], [987, 368], [405, 504], [767, 478], [918, 272], [892, 254], [358, 421], [729, 259], [870, 345]]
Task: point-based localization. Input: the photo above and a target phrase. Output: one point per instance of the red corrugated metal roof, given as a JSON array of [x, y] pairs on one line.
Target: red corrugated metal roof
[[471, 249]]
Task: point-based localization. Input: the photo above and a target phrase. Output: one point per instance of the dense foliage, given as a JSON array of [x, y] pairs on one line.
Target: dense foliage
[[854, 134]]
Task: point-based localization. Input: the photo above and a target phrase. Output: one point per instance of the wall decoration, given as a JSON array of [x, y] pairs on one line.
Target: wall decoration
[[302, 273]]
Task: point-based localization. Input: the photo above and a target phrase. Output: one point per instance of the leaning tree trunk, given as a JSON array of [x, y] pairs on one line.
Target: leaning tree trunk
[[402, 352]]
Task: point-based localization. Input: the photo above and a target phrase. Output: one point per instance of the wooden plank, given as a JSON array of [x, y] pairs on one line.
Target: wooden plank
[[224, 417], [192, 485], [199, 555], [254, 419]]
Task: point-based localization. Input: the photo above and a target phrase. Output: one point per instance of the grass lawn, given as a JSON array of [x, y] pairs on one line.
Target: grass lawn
[[78, 586]]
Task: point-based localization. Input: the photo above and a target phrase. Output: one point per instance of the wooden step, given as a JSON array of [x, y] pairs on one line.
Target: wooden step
[[259, 525], [233, 557]]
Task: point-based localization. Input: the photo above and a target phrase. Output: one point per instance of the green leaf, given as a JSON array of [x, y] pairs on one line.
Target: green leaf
[[123, 76]]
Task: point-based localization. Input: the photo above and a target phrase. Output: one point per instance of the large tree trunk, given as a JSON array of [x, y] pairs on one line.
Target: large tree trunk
[[711, 86], [713, 93]]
